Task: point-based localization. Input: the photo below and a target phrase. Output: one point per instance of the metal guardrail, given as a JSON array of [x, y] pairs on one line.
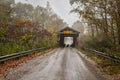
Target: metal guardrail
[[15, 55], [111, 57]]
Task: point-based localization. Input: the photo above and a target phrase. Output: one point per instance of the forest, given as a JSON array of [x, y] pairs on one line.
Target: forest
[[102, 23], [24, 26]]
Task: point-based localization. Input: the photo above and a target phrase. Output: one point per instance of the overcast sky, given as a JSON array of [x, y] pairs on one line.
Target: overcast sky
[[61, 7]]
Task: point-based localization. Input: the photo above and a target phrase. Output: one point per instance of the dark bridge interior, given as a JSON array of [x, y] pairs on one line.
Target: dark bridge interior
[[68, 36]]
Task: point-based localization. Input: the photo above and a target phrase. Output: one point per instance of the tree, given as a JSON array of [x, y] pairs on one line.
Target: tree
[[6, 10], [79, 27], [23, 10], [103, 17]]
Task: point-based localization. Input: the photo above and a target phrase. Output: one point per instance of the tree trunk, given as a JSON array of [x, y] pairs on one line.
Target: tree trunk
[[92, 30], [97, 31], [118, 20]]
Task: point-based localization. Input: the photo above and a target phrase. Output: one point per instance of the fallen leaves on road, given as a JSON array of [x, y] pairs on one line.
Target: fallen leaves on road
[[10, 64]]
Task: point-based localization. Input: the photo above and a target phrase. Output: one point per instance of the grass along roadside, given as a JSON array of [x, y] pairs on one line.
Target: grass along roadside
[[11, 64], [107, 66]]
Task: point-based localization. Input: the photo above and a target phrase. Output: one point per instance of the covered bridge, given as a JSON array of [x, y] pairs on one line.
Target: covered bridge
[[68, 37]]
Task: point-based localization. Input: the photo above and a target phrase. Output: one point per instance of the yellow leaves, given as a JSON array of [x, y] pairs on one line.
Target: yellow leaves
[[26, 37], [22, 22], [22, 18]]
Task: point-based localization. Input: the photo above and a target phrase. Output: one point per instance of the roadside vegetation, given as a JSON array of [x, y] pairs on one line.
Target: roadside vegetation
[[101, 22], [105, 65], [24, 27]]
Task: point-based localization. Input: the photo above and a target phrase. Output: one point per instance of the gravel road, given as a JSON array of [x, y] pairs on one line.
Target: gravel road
[[59, 64]]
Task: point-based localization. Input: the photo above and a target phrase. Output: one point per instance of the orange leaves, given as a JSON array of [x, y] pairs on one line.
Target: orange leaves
[[23, 23]]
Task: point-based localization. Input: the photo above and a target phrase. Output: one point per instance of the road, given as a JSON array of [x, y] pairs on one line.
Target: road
[[59, 64]]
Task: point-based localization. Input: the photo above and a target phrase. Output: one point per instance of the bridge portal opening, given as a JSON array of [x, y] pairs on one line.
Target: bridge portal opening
[[68, 36], [68, 41]]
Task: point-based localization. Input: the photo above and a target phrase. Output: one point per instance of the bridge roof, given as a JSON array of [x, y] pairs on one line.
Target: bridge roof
[[68, 28]]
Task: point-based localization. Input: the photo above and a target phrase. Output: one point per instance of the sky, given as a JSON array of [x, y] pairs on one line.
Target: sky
[[61, 7]]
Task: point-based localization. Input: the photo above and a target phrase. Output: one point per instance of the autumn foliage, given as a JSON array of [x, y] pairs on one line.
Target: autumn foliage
[[24, 27]]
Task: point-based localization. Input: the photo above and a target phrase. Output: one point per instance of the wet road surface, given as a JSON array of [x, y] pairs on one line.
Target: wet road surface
[[59, 64]]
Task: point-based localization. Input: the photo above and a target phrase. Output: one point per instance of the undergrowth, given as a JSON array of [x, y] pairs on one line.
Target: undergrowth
[[107, 66]]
